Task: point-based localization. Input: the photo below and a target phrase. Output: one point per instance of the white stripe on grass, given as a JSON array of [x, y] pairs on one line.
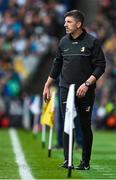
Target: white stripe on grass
[[106, 170], [24, 170]]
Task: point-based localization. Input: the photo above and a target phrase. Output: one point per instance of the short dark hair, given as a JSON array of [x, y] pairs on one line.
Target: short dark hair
[[78, 15]]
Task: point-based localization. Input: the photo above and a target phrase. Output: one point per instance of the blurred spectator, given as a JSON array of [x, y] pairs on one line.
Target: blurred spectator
[[3, 5], [29, 30], [105, 106]]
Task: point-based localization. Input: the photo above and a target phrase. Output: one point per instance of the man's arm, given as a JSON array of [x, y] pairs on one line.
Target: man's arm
[[57, 65], [91, 80], [46, 91], [98, 60], [81, 91], [55, 71], [99, 64]]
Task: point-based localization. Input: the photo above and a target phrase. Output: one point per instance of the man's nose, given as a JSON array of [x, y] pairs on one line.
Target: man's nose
[[65, 24]]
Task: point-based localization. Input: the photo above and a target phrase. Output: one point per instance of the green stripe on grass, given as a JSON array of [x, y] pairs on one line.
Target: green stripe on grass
[[103, 164], [8, 166]]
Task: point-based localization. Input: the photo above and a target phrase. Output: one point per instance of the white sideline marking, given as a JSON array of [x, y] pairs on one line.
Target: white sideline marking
[[24, 170]]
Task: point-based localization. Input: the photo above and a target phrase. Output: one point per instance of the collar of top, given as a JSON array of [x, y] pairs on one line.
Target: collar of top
[[79, 37]]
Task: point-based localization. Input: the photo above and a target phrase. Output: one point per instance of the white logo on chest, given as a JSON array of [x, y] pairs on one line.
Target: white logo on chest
[[88, 109], [75, 42], [65, 50], [82, 49]]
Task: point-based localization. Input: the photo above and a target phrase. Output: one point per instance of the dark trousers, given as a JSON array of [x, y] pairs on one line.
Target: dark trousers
[[60, 122], [84, 109]]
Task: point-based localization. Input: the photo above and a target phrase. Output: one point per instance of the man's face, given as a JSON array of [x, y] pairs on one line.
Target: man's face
[[71, 24]]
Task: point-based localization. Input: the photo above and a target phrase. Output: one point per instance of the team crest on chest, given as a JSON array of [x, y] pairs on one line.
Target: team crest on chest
[[83, 49]]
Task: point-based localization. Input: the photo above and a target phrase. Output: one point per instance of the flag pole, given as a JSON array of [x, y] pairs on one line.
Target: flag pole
[[50, 142], [51, 128], [70, 147], [43, 135], [69, 124]]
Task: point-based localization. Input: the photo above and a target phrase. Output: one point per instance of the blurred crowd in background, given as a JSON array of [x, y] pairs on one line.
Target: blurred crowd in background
[[30, 30], [104, 27]]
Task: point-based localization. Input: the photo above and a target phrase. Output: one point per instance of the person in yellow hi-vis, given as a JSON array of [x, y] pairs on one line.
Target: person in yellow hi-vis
[[47, 117]]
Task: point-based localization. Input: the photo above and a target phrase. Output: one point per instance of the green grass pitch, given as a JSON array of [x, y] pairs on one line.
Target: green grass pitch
[[103, 163]]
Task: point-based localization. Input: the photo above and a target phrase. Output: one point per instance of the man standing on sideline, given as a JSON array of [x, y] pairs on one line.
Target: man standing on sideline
[[80, 61]]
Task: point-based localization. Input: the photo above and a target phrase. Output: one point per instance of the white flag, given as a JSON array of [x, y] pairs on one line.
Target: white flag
[[70, 112], [35, 106]]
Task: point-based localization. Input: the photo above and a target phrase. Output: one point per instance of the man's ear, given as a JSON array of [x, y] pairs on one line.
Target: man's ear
[[79, 24]]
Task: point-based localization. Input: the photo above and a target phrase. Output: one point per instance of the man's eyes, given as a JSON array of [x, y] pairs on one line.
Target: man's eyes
[[69, 22]]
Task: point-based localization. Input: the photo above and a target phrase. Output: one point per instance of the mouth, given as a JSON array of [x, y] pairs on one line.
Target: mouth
[[67, 29]]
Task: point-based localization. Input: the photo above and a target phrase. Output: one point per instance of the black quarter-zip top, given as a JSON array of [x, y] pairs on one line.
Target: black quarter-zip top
[[78, 59]]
